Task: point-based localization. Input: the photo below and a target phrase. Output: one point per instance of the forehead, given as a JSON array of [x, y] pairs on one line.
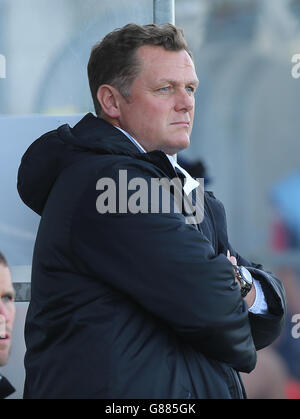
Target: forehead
[[5, 279], [159, 62]]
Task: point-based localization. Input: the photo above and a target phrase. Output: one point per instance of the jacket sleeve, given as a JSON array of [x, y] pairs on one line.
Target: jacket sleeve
[[266, 328], [168, 268]]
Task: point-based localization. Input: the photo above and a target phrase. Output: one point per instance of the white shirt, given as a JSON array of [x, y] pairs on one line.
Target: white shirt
[[260, 305]]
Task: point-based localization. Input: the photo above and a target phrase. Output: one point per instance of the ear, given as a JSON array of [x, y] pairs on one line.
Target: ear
[[108, 97]]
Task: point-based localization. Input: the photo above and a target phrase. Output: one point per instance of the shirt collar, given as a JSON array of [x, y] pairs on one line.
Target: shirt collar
[[190, 183], [138, 145]]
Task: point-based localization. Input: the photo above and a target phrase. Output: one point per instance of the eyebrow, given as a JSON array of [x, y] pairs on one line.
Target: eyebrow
[[194, 82]]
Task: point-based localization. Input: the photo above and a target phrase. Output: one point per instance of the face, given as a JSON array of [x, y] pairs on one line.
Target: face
[[7, 313], [159, 112]]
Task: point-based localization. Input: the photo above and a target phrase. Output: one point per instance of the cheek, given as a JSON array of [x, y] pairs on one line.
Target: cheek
[[192, 114], [151, 118], [148, 118], [159, 109]]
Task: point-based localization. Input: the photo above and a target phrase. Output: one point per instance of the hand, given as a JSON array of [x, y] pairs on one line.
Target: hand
[[250, 297], [232, 260]]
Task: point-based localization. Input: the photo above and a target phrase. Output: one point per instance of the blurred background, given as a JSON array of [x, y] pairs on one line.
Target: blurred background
[[244, 142]]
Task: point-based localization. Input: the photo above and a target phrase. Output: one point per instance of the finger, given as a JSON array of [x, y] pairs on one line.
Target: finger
[[233, 260]]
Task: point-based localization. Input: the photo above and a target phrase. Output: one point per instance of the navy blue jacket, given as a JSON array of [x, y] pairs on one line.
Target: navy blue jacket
[[130, 305]]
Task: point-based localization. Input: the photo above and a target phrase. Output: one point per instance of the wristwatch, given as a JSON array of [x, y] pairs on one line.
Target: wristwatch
[[245, 279]]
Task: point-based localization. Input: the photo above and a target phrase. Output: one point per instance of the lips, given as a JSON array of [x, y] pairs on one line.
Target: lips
[[181, 123], [2, 331], [5, 333], [4, 337]]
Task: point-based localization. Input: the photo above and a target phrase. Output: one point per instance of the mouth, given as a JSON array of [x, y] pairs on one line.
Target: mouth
[[184, 123], [4, 337]]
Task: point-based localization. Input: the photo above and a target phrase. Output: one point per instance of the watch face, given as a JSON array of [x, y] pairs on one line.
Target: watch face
[[247, 276]]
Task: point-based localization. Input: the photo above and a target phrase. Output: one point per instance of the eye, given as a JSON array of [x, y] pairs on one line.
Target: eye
[[7, 298], [190, 89], [164, 89]]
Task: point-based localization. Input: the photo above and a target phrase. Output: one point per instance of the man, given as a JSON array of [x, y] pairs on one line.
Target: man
[[128, 301], [7, 317]]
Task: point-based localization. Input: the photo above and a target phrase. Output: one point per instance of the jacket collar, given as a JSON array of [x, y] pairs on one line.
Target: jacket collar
[[6, 389], [97, 135]]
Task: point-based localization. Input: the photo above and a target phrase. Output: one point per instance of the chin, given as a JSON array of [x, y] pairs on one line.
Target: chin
[[175, 148], [3, 361]]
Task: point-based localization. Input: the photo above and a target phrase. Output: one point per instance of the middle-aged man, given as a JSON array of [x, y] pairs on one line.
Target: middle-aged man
[[7, 318], [128, 301]]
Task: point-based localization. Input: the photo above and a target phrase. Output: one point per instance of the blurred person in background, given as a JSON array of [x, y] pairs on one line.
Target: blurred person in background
[[277, 373], [196, 168], [7, 317], [147, 304], [284, 197], [288, 345], [269, 379]]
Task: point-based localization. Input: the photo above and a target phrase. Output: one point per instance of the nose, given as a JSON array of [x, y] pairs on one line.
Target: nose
[[185, 101], [3, 310]]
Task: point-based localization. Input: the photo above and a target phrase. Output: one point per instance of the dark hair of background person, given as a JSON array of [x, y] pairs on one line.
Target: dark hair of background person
[[113, 60]]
